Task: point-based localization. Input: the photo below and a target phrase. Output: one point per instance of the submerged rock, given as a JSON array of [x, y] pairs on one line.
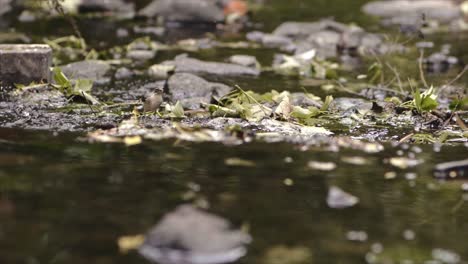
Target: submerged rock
[[193, 91], [339, 199], [88, 69], [190, 65], [189, 235], [452, 170]]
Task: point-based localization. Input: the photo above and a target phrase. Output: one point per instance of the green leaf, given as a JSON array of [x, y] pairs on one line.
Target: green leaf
[[60, 78], [426, 101], [178, 110], [327, 103], [82, 85], [459, 104]]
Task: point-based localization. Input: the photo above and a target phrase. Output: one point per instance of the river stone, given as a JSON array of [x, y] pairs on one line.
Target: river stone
[[190, 65], [339, 199], [119, 6], [192, 90], [189, 235], [5, 6], [185, 10], [402, 10], [244, 60], [89, 69], [24, 64]]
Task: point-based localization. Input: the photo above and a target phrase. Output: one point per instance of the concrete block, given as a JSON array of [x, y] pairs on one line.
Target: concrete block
[[24, 64]]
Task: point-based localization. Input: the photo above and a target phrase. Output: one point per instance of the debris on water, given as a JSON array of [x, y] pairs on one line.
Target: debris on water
[[288, 160], [323, 166], [339, 199], [404, 163], [464, 187], [451, 170], [192, 236], [411, 176], [238, 162], [358, 236], [288, 255], [288, 182], [355, 160], [128, 243], [390, 175], [445, 256], [409, 234]]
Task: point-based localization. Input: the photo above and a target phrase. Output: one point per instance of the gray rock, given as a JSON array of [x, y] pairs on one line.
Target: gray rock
[[440, 10], [123, 73], [298, 30], [245, 60], [185, 10], [117, 6], [439, 62], [141, 55], [156, 31], [344, 104], [24, 64], [88, 69], [160, 72], [339, 199], [275, 41], [192, 90], [5, 6], [189, 235], [190, 65]]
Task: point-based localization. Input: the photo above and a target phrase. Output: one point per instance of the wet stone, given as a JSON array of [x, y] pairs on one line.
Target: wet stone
[[245, 60], [88, 69], [190, 65], [189, 235], [192, 91], [185, 10], [339, 199], [5, 6], [409, 12], [24, 64]]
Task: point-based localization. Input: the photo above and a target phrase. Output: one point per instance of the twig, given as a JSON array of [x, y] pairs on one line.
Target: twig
[[406, 138], [421, 70], [400, 85], [454, 79]]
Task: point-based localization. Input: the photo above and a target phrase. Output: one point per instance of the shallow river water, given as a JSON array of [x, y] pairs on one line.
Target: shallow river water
[[63, 200]]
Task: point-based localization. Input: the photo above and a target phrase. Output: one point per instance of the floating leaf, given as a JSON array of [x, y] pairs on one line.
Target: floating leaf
[[238, 162]]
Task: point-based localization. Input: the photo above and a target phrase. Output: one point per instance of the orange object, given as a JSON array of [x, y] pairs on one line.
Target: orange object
[[237, 7]]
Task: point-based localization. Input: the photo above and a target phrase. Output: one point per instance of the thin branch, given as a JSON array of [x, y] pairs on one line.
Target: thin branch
[[421, 70], [400, 85]]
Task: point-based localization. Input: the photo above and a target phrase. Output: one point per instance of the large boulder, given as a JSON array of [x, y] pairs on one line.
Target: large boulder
[[183, 63], [192, 91]]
